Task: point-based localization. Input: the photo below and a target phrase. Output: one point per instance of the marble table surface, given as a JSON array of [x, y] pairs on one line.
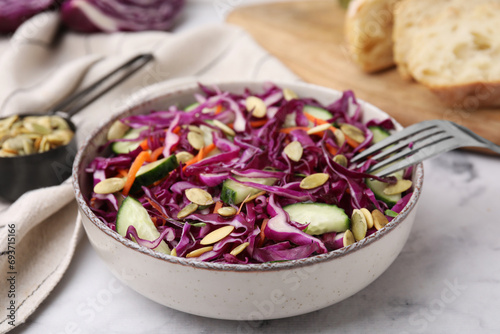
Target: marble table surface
[[446, 279]]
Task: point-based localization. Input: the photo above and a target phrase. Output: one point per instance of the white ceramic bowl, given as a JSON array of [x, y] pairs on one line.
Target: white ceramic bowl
[[231, 291]]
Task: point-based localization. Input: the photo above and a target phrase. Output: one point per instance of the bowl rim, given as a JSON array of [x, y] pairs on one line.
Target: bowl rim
[[146, 96]]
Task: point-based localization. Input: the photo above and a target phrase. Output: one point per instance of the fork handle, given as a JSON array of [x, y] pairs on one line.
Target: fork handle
[[486, 143], [80, 100]]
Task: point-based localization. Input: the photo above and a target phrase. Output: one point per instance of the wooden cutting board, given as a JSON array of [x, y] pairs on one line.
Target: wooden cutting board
[[308, 37]]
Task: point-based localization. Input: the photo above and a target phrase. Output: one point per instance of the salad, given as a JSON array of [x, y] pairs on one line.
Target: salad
[[246, 178]]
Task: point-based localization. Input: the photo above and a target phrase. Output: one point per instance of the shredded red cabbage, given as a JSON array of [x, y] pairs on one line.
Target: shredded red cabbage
[[254, 150], [15, 12]]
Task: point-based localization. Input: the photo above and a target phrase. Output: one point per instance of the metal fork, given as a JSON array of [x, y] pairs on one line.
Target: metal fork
[[419, 142]]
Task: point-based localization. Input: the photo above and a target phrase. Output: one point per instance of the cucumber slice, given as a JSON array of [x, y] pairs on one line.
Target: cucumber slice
[[132, 213], [322, 218], [378, 189], [123, 147], [152, 172], [317, 112], [192, 106], [379, 133], [235, 193]]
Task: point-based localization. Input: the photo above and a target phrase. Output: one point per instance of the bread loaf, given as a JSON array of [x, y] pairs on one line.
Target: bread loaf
[[452, 47], [368, 30], [409, 16]]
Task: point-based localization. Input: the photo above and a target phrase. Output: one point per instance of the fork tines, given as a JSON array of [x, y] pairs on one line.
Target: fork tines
[[409, 146]]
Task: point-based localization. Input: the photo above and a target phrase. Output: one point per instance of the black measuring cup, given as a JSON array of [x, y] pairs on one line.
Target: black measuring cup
[[20, 174]]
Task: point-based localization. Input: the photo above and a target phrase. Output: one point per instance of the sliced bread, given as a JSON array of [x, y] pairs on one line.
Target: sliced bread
[[456, 51], [368, 30], [409, 17]]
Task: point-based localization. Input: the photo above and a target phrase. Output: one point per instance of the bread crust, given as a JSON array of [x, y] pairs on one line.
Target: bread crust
[[368, 32]]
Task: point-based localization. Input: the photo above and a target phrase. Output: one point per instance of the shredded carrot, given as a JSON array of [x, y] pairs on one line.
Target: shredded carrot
[[316, 121], [351, 142], [258, 124], [262, 234], [202, 153], [331, 149], [156, 153], [242, 203], [122, 172], [134, 168], [160, 180], [217, 206], [288, 130], [176, 130], [157, 207], [155, 221], [218, 109], [253, 124], [144, 144]]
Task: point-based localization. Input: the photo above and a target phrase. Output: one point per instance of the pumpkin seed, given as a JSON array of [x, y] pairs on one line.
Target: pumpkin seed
[[256, 106], [353, 132], [6, 153], [37, 128], [3, 135], [28, 146], [368, 217], [379, 219], [194, 128], [187, 210], [15, 129], [199, 251], [289, 94], [339, 137], [36, 144], [55, 139], [319, 128], [226, 129], [207, 134], [196, 140], [57, 122], [359, 225], [199, 196], [65, 134], [8, 122], [213, 152], [43, 121], [227, 211], [117, 130], [240, 248], [184, 157], [314, 180], [173, 252], [294, 150], [43, 145], [398, 187], [33, 134], [217, 235], [348, 238], [13, 144], [109, 186], [340, 159]]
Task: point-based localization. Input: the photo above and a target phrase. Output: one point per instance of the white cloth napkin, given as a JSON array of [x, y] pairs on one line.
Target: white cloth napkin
[[43, 64]]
